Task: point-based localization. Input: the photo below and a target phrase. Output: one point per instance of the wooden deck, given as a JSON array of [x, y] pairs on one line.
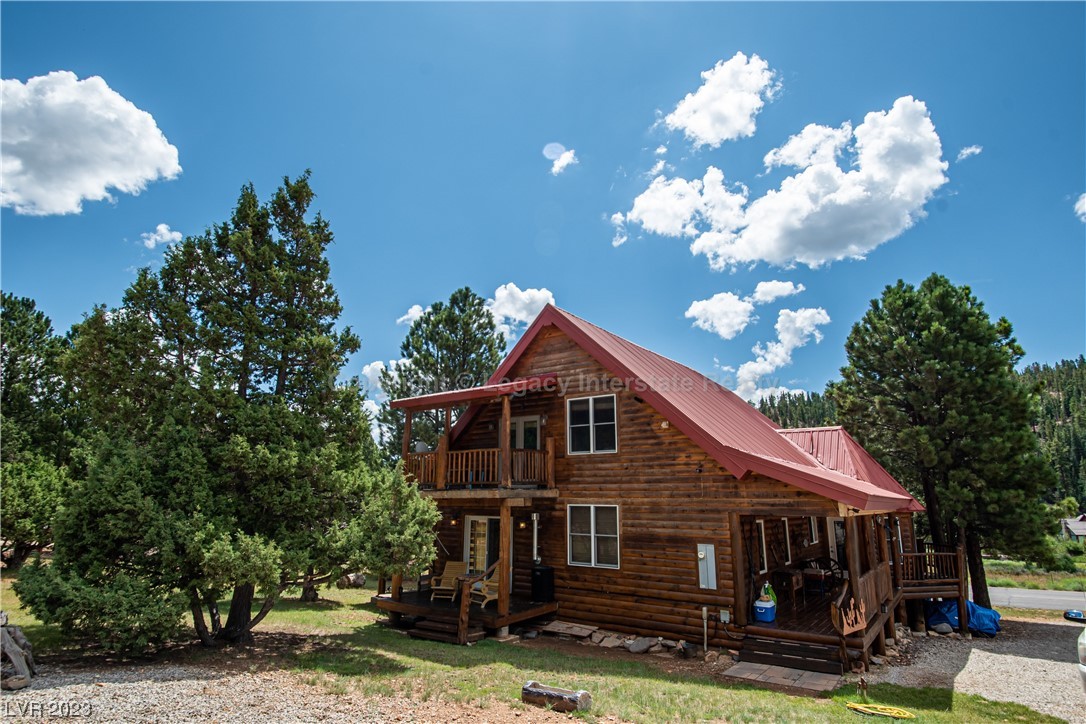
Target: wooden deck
[[418, 604]]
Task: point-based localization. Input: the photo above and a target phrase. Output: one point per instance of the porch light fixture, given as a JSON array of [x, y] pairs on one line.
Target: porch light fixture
[[454, 520], [522, 525]]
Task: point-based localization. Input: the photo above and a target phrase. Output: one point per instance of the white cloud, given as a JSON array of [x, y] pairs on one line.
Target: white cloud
[[65, 141], [724, 314], [412, 314], [767, 292], [567, 159], [661, 150], [668, 207], [726, 104], [795, 328], [822, 213], [161, 235], [619, 222], [814, 144], [513, 307], [969, 151], [657, 168], [1080, 208]]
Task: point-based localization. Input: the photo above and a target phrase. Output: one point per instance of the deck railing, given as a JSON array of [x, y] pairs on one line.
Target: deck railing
[[481, 467], [931, 567]]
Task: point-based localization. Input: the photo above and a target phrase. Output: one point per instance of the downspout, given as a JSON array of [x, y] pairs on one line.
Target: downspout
[[535, 538]]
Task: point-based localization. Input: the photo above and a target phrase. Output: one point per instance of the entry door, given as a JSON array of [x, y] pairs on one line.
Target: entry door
[[482, 543], [524, 433], [836, 528]]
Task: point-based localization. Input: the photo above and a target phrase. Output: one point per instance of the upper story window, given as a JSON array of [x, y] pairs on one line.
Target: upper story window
[[591, 424]]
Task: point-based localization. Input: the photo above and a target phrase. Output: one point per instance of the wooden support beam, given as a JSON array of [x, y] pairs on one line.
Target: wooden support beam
[[406, 433], [397, 587], [505, 443], [448, 421], [505, 556], [895, 550], [549, 473], [442, 466], [963, 593], [739, 566], [852, 554]]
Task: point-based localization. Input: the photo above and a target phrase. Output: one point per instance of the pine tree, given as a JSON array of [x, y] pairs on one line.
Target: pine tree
[[225, 456], [930, 389], [451, 346]]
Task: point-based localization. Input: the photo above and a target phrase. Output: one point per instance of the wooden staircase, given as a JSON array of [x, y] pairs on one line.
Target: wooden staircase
[[443, 630], [792, 654]]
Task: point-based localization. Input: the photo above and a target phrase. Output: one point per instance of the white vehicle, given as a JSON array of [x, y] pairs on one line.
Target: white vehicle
[[1079, 617]]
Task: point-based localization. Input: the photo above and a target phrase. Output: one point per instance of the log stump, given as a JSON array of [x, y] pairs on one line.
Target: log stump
[[16, 657], [563, 700]]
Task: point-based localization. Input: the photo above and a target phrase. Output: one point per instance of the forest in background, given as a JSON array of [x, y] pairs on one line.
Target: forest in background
[[1059, 420]]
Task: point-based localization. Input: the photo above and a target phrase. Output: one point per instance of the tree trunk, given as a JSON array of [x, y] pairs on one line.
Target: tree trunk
[[238, 621], [309, 587], [935, 514], [976, 569], [198, 621], [17, 556]]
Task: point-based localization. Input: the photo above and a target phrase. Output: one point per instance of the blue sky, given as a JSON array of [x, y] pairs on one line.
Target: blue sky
[[425, 127]]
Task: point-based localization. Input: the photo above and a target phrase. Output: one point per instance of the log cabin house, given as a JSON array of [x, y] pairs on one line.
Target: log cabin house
[[618, 488]]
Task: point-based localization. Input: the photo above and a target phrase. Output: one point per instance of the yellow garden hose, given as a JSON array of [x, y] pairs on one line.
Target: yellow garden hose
[[892, 712]]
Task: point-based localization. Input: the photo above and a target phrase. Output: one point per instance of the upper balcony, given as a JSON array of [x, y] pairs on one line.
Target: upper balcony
[[445, 469], [499, 469]]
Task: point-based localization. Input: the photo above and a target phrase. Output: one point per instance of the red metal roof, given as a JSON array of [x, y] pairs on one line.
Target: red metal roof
[[735, 434], [839, 451], [454, 397]]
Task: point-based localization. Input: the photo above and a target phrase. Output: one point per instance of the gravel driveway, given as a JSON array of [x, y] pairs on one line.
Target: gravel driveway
[[1029, 662]]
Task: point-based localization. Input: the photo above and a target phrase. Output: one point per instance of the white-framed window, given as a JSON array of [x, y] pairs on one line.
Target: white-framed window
[[812, 529], [763, 559], [900, 542], [593, 535], [787, 541], [591, 425]]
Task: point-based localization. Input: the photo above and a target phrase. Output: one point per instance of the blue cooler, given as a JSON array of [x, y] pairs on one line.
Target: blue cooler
[[765, 611]]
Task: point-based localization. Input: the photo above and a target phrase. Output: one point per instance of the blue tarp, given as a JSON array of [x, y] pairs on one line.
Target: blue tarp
[[981, 620]]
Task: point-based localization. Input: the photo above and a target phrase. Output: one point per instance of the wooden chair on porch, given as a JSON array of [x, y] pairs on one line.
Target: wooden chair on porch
[[447, 585], [486, 591]]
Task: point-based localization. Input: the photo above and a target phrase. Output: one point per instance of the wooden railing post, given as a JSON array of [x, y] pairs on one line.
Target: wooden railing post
[[442, 467], [549, 463], [397, 587], [465, 613], [963, 594], [504, 444]]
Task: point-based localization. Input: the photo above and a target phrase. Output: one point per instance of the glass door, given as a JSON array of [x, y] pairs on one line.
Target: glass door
[[482, 544], [524, 433]]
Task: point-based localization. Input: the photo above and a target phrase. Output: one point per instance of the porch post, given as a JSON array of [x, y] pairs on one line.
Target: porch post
[[852, 553], [735, 528], [505, 554], [504, 444], [406, 434], [397, 586], [442, 467]]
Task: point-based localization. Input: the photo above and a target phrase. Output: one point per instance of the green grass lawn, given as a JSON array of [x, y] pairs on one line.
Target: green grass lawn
[[346, 652], [1017, 574]]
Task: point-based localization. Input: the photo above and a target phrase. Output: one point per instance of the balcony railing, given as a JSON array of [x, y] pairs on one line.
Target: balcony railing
[[481, 468]]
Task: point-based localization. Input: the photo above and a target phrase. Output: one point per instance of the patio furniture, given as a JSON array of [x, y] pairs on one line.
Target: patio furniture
[[447, 585], [486, 591], [790, 580], [822, 574]]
